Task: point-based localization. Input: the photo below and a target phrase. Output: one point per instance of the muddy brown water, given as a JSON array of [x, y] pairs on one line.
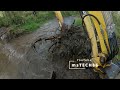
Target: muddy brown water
[[18, 60]]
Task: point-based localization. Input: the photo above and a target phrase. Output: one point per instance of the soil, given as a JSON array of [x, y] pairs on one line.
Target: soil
[[24, 58]]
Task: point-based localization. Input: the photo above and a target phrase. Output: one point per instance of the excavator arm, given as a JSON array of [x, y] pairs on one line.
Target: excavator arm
[[106, 51], [59, 17], [95, 25]]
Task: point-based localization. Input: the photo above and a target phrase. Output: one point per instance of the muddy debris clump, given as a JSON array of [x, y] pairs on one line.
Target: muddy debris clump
[[71, 44]]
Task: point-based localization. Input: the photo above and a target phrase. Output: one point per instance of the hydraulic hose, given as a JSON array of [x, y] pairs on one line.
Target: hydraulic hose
[[112, 40]]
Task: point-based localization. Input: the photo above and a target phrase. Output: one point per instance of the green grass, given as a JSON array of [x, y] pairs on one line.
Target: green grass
[[78, 22], [116, 18], [29, 27], [1, 15], [32, 23], [27, 22], [118, 56], [35, 22]]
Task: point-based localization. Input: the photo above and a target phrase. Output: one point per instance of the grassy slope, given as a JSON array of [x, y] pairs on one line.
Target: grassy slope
[[34, 22]]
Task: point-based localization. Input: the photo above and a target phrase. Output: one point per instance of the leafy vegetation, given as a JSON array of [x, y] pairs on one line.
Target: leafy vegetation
[[116, 18], [28, 21], [25, 21]]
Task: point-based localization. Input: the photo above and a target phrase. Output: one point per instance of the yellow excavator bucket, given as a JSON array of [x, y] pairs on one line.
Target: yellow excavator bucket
[[59, 17]]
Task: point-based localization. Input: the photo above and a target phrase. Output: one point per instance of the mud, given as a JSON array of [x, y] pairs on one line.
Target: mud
[[22, 58], [73, 44]]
